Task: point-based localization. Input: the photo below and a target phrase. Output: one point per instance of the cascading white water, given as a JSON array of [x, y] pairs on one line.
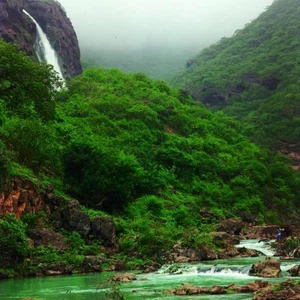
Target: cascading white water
[[43, 48], [262, 246]]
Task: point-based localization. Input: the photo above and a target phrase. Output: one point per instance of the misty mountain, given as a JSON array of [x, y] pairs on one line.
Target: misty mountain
[[254, 76]]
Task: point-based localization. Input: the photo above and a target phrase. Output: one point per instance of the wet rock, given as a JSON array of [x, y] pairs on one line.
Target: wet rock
[[296, 253], [189, 289], [182, 259], [295, 271], [288, 290], [269, 268], [151, 267], [224, 238], [92, 264], [127, 277], [262, 232]]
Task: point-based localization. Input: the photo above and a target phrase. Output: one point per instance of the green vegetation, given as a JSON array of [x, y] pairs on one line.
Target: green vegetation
[[138, 150], [254, 76]]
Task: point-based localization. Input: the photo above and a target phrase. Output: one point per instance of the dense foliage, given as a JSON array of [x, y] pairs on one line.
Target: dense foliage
[[255, 76], [141, 151]]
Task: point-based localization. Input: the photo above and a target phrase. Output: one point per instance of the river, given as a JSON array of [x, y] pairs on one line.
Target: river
[[147, 286]]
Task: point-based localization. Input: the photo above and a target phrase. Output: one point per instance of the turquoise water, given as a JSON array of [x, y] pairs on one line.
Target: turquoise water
[[147, 286]]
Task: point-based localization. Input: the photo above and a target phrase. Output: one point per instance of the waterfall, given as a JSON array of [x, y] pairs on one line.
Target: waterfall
[[43, 48]]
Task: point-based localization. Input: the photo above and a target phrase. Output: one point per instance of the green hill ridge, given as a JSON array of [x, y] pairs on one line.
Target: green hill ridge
[[254, 76]]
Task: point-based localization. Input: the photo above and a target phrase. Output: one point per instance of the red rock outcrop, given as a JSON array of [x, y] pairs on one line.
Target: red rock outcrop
[[23, 197]]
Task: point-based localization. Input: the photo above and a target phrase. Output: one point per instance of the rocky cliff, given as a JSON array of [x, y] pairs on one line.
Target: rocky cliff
[[15, 26]]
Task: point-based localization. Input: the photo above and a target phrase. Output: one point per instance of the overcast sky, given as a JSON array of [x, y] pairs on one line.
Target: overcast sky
[[140, 23]]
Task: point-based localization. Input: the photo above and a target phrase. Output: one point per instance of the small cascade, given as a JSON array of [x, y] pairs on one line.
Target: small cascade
[[262, 246], [213, 270], [43, 48]]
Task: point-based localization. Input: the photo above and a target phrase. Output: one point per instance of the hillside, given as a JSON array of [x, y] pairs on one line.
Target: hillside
[[148, 166], [254, 76]]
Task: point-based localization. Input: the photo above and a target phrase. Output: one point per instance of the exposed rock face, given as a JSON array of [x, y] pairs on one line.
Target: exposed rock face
[[22, 197], [104, 229], [15, 26], [72, 218], [231, 226], [53, 19], [46, 237], [268, 268], [262, 232], [283, 291]]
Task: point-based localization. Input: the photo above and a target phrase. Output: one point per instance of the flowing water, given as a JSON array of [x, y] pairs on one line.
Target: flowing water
[[147, 286], [43, 48]]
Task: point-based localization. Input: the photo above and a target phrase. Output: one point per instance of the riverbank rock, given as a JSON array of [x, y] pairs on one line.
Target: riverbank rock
[[92, 264], [268, 268], [103, 228], [126, 277], [72, 218], [261, 232], [189, 289], [295, 271], [288, 290], [46, 237], [231, 226]]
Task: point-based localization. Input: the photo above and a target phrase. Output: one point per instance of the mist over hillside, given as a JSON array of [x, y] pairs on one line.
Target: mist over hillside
[[154, 37]]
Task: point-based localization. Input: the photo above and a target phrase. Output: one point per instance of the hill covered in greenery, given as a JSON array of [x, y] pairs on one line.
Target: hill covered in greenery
[[136, 149], [254, 76]]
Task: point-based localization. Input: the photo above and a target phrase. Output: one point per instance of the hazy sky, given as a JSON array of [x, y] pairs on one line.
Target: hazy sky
[[140, 23]]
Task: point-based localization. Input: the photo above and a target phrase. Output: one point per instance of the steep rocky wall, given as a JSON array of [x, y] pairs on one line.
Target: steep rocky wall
[[15, 27], [53, 19], [22, 197]]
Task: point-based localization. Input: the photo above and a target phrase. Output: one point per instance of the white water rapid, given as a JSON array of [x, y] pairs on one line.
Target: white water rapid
[[43, 48], [261, 246]]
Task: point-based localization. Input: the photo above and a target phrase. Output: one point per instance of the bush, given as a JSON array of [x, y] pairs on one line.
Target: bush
[[13, 243]]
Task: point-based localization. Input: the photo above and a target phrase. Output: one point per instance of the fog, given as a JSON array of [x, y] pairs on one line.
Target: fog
[[136, 25]]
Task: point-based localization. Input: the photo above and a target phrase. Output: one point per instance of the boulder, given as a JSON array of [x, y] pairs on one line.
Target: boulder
[[46, 237], [287, 290], [72, 218], [231, 226], [92, 264], [103, 228], [295, 271], [225, 238], [125, 277], [262, 232], [270, 268]]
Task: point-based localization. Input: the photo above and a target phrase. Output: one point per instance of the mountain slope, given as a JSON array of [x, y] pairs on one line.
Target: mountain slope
[[254, 76]]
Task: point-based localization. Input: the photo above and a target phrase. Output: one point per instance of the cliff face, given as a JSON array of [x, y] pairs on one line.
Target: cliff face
[[15, 26]]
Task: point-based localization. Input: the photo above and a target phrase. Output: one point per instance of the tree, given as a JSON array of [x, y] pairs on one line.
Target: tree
[[13, 243], [27, 87]]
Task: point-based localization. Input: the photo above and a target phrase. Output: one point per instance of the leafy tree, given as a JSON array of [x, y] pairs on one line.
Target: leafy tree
[[13, 242], [26, 87]]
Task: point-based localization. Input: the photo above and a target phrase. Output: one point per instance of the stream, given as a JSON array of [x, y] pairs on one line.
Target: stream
[[147, 286]]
